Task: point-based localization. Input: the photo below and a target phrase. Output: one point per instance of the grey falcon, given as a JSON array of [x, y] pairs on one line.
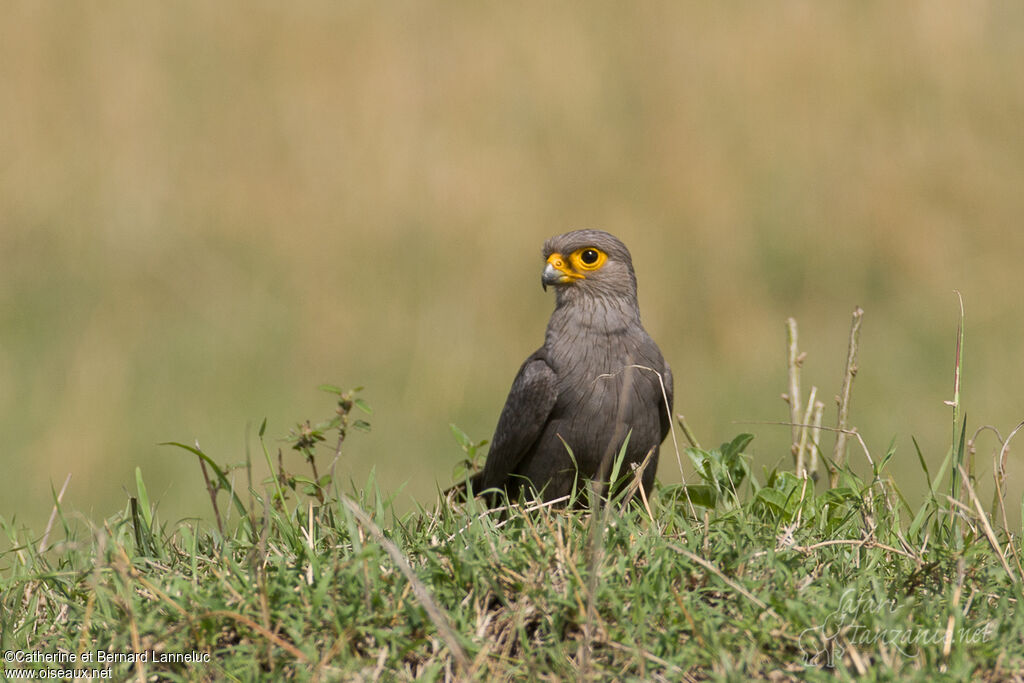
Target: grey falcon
[[598, 378]]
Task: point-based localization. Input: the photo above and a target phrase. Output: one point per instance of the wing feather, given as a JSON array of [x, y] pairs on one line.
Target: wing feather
[[522, 420]]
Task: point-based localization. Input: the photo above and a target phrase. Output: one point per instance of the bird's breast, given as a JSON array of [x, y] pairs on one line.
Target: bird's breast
[[606, 380]]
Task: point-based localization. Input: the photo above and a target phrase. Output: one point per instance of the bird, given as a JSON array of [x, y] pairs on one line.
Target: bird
[[598, 380]]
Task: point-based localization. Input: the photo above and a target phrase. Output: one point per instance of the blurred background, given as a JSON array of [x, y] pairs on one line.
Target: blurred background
[[209, 209]]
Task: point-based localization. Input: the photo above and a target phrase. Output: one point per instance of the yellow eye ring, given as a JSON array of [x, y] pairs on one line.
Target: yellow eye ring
[[588, 259]]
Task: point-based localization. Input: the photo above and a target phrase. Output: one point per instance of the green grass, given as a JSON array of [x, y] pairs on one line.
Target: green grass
[[734, 578]]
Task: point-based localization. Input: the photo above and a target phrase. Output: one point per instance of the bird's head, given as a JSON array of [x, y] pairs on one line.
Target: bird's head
[[588, 263]]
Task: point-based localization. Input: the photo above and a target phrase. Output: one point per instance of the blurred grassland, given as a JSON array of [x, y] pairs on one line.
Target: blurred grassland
[[208, 209]]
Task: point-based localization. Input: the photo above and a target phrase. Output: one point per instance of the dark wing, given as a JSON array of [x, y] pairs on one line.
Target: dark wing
[[666, 411], [522, 420]]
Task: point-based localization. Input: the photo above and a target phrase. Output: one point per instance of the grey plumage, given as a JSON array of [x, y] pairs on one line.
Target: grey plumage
[[595, 379]]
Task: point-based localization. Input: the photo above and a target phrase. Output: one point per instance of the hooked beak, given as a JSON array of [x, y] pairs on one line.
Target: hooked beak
[[558, 272]]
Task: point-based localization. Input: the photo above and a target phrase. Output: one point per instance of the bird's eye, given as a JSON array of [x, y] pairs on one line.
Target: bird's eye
[[588, 258]]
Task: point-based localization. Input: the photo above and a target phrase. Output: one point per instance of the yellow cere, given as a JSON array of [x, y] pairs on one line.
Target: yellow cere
[[557, 261]]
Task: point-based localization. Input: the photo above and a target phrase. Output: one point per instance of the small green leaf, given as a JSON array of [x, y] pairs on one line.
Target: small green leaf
[[840, 495], [699, 458], [363, 406], [702, 495], [736, 446], [461, 437], [774, 498]]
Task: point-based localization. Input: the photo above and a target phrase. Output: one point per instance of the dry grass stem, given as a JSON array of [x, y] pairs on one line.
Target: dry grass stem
[[860, 543], [999, 472], [729, 582], [434, 612], [804, 429], [986, 527], [819, 412], [793, 363], [839, 453]]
